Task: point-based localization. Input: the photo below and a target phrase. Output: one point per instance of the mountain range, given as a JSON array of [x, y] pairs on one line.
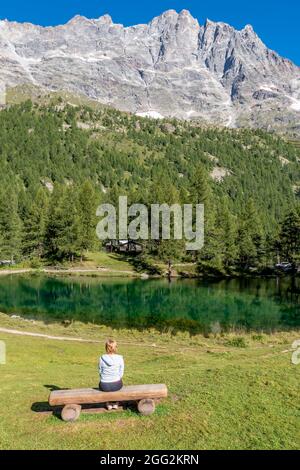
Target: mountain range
[[171, 67]]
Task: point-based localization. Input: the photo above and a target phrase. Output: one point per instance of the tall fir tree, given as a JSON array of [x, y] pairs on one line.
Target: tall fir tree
[[208, 259], [227, 236], [35, 219], [87, 205], [69, 237], [62, 231], [289, 237], [10, 225], [250, 237]]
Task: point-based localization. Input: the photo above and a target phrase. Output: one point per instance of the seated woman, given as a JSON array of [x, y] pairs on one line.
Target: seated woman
[[111, 369]]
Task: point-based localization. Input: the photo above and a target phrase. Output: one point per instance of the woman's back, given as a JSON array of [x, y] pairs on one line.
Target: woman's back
[[111, 368]]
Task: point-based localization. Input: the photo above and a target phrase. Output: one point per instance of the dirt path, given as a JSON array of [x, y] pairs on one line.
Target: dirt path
[[147, 345], [5, 272], [78, 340], [40, 335], [87, 271]]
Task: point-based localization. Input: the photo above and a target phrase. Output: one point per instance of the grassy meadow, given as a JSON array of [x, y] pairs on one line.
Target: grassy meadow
[[225, 392], [104, 264]]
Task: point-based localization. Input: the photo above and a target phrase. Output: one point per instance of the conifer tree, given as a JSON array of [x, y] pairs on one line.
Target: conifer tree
[[289, 237], [209, 258], [62, 231], [200, 189], [87, 205], [69, 237], [250, 237], [10, 225], [35, 225], [227, 236]]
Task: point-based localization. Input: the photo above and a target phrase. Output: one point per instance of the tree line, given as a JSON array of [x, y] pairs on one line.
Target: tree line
[[55, 171], [61, 226]]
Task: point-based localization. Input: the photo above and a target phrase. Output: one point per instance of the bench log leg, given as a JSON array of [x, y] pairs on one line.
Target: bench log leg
[[146, 407], [70, 413]]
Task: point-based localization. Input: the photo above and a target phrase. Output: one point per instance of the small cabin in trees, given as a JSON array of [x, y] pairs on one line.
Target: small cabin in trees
[[123, 246], [4, 262]]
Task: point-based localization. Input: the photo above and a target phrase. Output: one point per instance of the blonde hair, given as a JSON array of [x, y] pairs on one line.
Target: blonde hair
[[111, 346]]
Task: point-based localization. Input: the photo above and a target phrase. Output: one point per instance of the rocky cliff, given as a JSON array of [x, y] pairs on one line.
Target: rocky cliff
[[172, 66]]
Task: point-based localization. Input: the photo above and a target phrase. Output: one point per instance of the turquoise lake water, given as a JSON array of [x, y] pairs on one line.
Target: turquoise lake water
[[188, 305]]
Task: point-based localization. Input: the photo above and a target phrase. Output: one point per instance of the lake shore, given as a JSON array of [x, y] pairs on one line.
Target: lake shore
[[17, 324], [196, 306], [226, 393], [114, 273], [100, 272]]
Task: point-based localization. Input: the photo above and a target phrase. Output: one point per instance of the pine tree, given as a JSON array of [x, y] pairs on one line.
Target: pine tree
[[250, 237], [162, 191], [87, 205], [209, 258], [200, 190], [35, 225], [69, 237], [227, 236], [54, 223], [289, 238], [62, 231], [10, 225]]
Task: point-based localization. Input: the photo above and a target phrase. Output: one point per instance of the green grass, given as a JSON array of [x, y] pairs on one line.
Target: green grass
[[221, 396], [21, 93], [105, 260], [237, 342], [98, 263]]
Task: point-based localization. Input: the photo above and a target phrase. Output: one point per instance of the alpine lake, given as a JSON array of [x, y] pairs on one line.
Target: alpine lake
[[196, 306]]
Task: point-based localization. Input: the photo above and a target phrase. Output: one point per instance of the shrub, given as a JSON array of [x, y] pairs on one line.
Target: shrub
[[237, 342]]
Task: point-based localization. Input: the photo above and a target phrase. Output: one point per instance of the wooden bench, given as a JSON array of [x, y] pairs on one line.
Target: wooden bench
[[72, 400]]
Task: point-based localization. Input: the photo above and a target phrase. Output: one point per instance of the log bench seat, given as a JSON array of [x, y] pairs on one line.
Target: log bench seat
[[72, 400]]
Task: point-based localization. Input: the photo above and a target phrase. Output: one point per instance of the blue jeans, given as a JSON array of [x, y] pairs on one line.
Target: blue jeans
[[111, 386]]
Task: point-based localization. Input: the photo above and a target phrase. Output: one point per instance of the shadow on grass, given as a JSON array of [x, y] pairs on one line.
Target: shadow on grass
[[44, 407], [100, 408], [140, 264], [86, 409], [53, 388]]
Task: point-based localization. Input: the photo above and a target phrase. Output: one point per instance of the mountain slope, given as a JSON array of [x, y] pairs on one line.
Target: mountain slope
[[58, 161], [65, 143], [170, 67]]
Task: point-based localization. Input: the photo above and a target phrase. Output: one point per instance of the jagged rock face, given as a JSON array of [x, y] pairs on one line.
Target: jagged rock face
[[169, 67]]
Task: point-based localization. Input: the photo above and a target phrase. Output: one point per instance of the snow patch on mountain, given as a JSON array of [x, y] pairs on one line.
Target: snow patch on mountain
[[151, 114], [295, 104]]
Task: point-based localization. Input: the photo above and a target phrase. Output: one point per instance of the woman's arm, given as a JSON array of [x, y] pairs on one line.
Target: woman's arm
[[100, 366], [121, 368]]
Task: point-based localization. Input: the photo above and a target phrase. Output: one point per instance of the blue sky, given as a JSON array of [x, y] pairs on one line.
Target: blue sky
[[276, 22]]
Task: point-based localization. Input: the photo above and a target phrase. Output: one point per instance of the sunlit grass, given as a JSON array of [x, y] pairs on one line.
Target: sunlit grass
[[221, 395]]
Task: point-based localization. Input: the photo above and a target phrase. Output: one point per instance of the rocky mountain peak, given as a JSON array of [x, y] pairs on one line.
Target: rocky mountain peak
[[105, 19], [186, 14], [169, 14], [170, 67], [249, 29], [78, 19]]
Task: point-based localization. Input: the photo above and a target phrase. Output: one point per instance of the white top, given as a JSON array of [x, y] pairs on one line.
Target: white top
[[111, 368]]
